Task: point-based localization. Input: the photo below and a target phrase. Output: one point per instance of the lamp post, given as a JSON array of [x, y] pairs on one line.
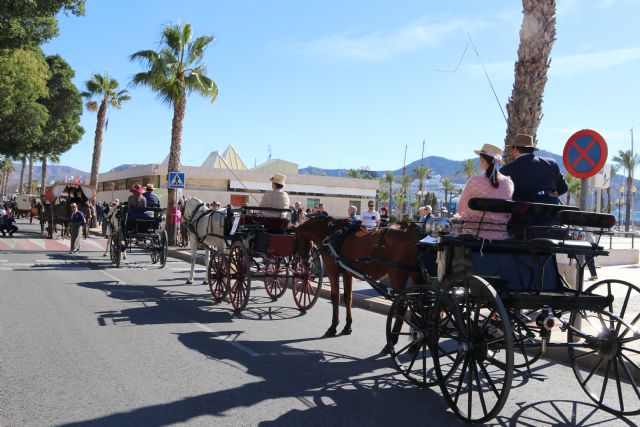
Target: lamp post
[[420, 193], [622, 199], [620, 202]]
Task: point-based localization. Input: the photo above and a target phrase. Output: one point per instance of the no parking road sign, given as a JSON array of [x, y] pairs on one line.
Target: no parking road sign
[[176, 180], [585, 153]]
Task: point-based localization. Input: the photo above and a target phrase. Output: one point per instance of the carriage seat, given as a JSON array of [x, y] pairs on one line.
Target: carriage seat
[[271, 224]]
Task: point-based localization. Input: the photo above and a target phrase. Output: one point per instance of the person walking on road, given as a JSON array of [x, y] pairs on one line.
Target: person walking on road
[[77, 221]]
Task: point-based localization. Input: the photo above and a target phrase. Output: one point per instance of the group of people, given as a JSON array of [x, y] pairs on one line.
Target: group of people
[[7, 219]]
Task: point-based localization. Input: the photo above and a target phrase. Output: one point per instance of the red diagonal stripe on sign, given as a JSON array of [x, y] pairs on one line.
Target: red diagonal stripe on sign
[[583, 153]]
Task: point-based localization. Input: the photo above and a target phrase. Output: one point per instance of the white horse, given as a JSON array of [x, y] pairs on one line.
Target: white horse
[[206, 226], [113, 226]]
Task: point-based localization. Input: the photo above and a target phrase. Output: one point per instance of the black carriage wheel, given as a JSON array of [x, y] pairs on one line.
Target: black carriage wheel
[[409, 327], [164, 248], [277, 275], [609, 368], [115, 251], [472, 321], [239, 278], [217, 275], [527, 347], [307, 279], [155, 255]]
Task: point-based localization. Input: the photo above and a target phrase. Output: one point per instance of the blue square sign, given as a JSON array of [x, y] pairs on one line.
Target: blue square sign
[[176, 180]]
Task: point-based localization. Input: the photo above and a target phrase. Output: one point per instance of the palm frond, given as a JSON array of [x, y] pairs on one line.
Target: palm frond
[[92, 106]]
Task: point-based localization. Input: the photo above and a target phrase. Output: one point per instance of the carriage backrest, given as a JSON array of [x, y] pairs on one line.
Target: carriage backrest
[[520, 208]]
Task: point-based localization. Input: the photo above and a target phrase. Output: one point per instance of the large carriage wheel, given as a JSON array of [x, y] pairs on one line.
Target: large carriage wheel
[[239, 278], [409, 328], [527, 347], [115, 251], [164, 248], [609, 368], [472, 321], [307, 279], [276, 275], [217, 275]]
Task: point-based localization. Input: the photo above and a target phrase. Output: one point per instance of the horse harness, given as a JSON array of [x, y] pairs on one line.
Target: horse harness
[[193, 223]]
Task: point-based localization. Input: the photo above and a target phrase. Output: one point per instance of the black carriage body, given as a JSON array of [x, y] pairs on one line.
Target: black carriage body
[[142, 229]]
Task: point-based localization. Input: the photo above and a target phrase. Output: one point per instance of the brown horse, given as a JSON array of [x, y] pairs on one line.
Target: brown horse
[[386, 251]]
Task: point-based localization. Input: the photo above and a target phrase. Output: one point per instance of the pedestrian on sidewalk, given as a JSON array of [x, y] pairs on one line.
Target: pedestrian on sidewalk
[[77, 222]]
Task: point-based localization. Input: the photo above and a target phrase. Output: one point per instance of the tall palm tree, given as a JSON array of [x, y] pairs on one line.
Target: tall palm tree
[[55, 158], [405, 183], [537, 34], [389, 179], [448, 187], [175, 71], [629, 161], [102, 92], [614, 172], [420, 173], [6, 167], [30, 176], [574, 188], [469, 168], [23, 165]]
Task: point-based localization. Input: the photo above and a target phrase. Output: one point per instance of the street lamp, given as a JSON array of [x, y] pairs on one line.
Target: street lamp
[[420, 193], [620, 202], [622, 199]]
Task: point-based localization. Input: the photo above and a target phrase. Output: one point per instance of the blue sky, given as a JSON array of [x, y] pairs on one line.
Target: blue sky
[[345, 84]]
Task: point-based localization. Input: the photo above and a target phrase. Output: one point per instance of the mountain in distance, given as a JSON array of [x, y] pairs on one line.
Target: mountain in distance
[[54, 173], [125, 167]]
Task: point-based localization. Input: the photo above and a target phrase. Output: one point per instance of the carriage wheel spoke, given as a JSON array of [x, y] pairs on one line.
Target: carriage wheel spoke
[[480, 392], [604, 383], [616, 371], [593, 371], [462, 375], [631, 380], [470, 388], [486, 322], [424, 362], [635, 365], [489, 380], [585, 354], [623, 310]]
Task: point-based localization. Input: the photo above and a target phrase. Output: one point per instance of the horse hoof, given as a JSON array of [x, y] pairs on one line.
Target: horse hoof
[[331, 332], [346, 331], [189, 282], [104, 254]]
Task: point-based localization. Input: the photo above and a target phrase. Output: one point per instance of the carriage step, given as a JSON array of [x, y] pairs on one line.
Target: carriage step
[[561, 300]]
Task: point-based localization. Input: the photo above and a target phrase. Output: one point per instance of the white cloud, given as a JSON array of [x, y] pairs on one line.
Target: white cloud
[[378, 46], [569, 64]]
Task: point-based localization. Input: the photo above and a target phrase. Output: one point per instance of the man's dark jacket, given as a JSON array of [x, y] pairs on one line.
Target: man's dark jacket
[[534, 178]]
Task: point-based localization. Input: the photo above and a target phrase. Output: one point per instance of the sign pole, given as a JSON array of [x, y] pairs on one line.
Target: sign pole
[[584, 194]]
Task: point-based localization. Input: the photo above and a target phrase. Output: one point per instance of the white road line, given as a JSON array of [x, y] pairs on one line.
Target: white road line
[[111, 276], [217, 335], [38, 242], [4, 260]]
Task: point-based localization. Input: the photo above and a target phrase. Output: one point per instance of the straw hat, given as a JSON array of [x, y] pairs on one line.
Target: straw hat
[[278, 178], [523, 140], [137, 188], [149, 186], [490, 150], [73, 205]]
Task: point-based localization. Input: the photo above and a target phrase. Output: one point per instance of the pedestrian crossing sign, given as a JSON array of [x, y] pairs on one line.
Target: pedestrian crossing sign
[[176, 180]]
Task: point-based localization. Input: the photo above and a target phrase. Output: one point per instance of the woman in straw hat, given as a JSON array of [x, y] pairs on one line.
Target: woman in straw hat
[[491, 184], [277, 197]]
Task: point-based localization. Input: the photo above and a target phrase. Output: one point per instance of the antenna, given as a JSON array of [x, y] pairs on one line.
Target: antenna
[[422, 158], [404, 163], [269, 151]]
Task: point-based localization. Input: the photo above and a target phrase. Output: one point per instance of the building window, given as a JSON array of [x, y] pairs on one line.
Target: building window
[[311, 203], [357, 204]]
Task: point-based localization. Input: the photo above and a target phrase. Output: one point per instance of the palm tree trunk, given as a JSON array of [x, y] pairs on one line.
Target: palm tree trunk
[[30, 180], [179, 109], [627, 212], [43, 185], [568, 198], [24, 164], [609, 198], [97, 144], [537, 34], [3, 183]]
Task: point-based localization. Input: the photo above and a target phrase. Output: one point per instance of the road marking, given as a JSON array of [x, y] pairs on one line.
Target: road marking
[[111, 276], [217, 335], [4, 260]]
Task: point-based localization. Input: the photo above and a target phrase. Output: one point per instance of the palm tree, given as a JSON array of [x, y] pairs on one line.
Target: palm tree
[[405, 183], [101, 91], [353, 173], [537, 34], [6, 167], [448, 187], [574, 188], [55, 158], [627, 160], [420, 173], [614, 172], [469, 168], [175, 71], [23, 165], [389, 179], [30, 176]]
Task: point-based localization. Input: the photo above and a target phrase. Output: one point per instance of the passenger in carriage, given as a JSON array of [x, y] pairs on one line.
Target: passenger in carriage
[[276, 197], [136, 203], [491, 184], [153, 201]]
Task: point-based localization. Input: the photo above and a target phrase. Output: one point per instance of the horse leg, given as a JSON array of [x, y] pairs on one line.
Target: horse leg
[[347, 281], [193, 242], [206, 262], [334, 280], [106, 249]]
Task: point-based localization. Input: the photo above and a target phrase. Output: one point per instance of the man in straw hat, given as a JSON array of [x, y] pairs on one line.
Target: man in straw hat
[[153, 201], [535, 179], [276, 197], [490, 184]]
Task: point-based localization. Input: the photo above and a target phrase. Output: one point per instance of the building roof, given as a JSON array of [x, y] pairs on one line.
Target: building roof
[[229, 158], [277, 165]]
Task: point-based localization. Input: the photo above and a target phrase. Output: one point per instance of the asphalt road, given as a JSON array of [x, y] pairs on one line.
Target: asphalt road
[[82, 343]]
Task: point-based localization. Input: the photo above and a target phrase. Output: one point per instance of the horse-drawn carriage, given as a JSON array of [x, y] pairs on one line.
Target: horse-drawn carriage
[[26, 205], [56, 207], [485, 308], [141, 229], [245, 244]]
